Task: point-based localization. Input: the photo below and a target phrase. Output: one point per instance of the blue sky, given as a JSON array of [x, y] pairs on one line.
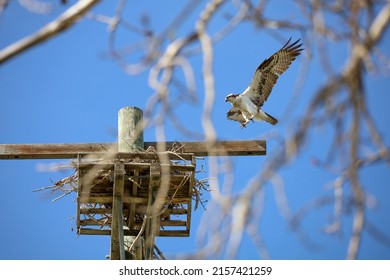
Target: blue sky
[[67, 91]]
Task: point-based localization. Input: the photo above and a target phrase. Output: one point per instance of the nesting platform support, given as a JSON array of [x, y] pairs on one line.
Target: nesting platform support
[[143, 176], [151, 216], [130, 139], [117, 237]]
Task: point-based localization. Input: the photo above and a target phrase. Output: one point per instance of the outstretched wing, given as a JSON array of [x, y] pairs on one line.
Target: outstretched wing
[[269, 70], [235, 114]]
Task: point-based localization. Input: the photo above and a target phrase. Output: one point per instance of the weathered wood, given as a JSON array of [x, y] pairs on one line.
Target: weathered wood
[[121, 227], [130, 140], [173, 223], [134, 166], [108, 211], [134, 192], [164, 223], [151, 222], [130, 130], [108, 199], [117, 239], [54, 151], [164, 233], [190, 192], [129, 200]]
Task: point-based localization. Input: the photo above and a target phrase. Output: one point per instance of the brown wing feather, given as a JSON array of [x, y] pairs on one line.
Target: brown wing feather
[[235, 114], [269, 70]]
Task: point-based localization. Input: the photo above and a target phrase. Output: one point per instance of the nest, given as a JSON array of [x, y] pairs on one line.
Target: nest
[[93, 177]]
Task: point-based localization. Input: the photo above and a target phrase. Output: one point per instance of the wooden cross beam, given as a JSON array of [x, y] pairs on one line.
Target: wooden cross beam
[[60, 151]]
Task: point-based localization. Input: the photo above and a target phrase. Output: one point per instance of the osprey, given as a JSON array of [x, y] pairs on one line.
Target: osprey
[[247, 105]]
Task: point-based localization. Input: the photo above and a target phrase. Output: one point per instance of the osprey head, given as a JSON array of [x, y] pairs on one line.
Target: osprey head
[[231, 97]]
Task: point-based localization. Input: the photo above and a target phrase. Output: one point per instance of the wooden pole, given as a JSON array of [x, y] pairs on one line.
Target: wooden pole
[[117, 240], [130, 130], [130, 140]]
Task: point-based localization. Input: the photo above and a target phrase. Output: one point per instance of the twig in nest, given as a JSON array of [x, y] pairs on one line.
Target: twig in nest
[[60, 185], [197, 192], [176, 148]]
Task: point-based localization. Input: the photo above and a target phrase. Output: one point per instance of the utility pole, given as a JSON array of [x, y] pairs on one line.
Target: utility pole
[[130, 140]]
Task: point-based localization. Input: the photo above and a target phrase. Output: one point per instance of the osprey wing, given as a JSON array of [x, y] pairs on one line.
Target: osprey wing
[[235, 114], [269, 70]]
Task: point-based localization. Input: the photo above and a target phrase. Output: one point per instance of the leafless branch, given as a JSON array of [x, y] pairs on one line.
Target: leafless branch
[[63, 22]]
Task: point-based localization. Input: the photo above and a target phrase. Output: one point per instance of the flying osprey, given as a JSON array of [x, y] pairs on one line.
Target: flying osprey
[[247, 105]]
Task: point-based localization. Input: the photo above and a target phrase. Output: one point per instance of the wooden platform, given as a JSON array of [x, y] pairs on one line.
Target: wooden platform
[[147, 177]]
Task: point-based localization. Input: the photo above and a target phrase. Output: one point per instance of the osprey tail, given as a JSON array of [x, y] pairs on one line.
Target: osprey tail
[[270, 119]]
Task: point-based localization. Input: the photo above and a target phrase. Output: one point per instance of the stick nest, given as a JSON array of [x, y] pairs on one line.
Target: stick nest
[[69, 184]]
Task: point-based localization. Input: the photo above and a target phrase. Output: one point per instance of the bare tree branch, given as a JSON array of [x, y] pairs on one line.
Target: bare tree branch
[[63, 22]]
